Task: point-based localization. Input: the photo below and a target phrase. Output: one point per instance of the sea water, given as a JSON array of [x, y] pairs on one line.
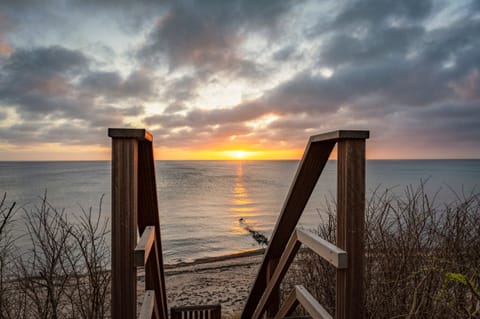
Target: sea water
[[205, 206]]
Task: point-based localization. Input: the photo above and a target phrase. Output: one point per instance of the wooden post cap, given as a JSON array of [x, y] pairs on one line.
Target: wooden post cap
[[135, 133]]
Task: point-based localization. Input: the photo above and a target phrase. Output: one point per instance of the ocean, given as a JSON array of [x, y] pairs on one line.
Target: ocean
[[206, 206]]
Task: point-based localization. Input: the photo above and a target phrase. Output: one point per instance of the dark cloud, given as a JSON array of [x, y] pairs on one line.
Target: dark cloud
[[207, 33], [378, 44], [112, 85], [53, 85], [446, 130], [284, 54], [181, 89], [108, 82], [54, 129], [174, 108], [46, 61], [22, 4], [39, 81], [131, 16], [475, 5], [375, 12]]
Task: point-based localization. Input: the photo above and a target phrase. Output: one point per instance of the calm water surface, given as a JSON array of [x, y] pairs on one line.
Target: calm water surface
[[201, 202]]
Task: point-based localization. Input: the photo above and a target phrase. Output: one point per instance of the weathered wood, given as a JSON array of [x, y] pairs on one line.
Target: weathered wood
[[331, 253], [339, 135], [148, 305], [144, 211], [124, 227], [153, 279], [309, 170], [144, 245], [324, 249], [277, 276], [274, 294], [310, 167], [350, 227], [311, 304], [201, 312], [130, 133], [148, 215], [289, 305]]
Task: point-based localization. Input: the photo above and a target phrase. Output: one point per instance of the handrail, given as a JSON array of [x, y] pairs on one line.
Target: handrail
[[300, 295], [351, 178], [145, 256], [329, 252], [144, 246], [135, 206], [194, 312], [147, 311]]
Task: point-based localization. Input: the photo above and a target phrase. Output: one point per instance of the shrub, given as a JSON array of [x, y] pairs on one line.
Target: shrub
[[63, 273], [422, 259]]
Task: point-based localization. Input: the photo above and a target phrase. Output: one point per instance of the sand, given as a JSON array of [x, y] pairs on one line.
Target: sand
[[226, 280]]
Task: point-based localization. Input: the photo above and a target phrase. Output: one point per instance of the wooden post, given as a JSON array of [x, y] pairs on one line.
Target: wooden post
[[148, 215], [350, 227], [274, 304], [124, 226], [310, 167], [125, 148]]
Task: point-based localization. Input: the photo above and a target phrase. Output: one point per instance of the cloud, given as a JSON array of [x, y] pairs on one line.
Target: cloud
[[112, 85], [207, 34], [344, 48], [38, 81], [260, 73], [380, 11], [46, 61], [5, 48], [402, 81], [53, 89]]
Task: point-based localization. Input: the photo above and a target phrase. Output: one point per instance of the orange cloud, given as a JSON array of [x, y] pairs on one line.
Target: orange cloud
[[4, 48]]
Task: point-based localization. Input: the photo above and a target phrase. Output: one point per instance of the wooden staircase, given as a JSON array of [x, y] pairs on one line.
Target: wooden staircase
[[135, 208]]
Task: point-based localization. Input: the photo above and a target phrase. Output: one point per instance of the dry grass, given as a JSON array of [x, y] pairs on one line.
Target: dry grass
[[422, 259]]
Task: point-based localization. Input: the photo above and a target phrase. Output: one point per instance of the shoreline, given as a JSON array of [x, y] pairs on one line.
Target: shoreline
[[225, 280], [214, 259]]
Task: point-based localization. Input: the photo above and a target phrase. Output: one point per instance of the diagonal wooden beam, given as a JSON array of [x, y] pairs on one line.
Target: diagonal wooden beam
[[148, 305], [282, 268], [311, 305]]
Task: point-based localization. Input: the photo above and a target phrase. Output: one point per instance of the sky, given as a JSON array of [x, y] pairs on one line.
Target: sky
[[216, 79]]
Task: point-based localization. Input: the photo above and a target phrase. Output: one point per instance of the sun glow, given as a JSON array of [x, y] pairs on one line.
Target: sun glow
[[222, 153], [239, 154]]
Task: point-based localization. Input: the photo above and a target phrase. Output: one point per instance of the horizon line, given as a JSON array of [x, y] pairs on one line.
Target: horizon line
[[243, 160]]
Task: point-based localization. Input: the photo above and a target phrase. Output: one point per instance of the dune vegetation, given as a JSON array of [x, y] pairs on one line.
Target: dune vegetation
[[422, 258]]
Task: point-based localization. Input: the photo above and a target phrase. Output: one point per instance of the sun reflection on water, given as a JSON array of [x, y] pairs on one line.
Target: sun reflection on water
[[242, 205]]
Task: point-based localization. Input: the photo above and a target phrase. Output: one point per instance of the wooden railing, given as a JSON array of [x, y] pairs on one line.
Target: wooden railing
[[286, 239], [197, 312], [135, 208]]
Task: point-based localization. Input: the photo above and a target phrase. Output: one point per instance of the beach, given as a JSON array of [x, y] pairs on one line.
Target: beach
[[224, 280]]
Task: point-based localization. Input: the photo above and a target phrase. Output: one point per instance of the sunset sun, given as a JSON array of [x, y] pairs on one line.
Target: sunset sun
[[239, 154]]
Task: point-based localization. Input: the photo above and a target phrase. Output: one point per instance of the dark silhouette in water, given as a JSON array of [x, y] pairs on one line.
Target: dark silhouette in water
[[259, 237]]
